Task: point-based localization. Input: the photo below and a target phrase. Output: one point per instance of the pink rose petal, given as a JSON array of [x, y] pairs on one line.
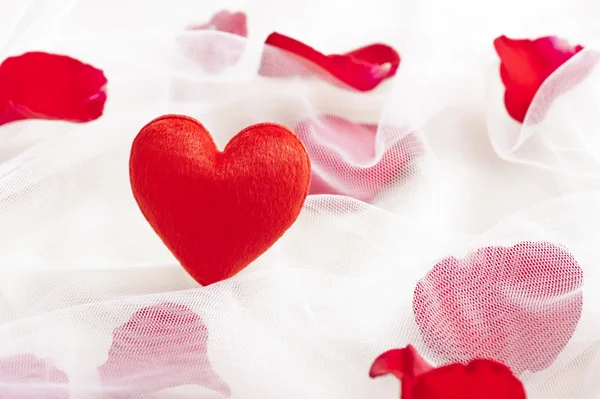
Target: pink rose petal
[[517, 305], [342, 154], [226, 21], [217, 53], [161, 346], [26, 376]]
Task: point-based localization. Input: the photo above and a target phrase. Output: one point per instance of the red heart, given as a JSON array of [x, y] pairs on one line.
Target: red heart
[[218, 211]]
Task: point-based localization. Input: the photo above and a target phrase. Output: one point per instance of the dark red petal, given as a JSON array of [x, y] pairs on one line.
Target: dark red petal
[[363, 69], [479, 379], [497, 303], [342, 154], [26, 376], [226, 21], [39, 85], [161, 346], [525, 65]]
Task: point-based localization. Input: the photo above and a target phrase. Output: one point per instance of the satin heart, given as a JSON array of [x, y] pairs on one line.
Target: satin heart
[[218, 211]]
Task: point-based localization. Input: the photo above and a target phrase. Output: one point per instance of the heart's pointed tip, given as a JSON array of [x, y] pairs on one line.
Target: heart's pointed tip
[[207, 280]]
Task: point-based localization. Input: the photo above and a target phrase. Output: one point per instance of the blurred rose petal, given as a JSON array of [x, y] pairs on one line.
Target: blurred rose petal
[[498, 302], [215, 53], [26, 376], [478, 379], [39, 85], [226, 21], [161, 346], [343, 154], [363, 69], [526, 64]]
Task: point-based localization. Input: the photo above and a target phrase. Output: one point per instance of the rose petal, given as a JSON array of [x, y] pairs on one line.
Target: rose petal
[[400, 363], [405, 364], [214, 53], [26, 376], [525, 65], [39, 85], [477, 380], [419, 380], [342, 154], [499, 302], [363, 69], [226, 21], [161, 346]]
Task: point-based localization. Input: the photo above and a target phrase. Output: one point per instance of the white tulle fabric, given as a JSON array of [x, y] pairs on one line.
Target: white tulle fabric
[[307, 318]]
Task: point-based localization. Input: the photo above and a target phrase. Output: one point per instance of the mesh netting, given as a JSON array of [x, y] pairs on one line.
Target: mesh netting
[[425, 228]]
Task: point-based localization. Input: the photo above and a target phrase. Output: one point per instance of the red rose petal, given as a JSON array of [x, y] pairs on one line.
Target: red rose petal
[[525, 65], [214, 54], [400, 362], [518, 305], [363, 69], [419, 380], [39, 85], [341, 153], [161, 346], [405, 364], [477, 380], [26, 376]]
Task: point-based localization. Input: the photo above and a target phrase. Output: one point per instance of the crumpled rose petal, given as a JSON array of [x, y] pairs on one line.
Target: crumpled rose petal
[[362, 69], [517, 305], [161, 346], [526, 64], [478, 379], [39, 85], [26, 376], [342, 154], [215, 54]]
